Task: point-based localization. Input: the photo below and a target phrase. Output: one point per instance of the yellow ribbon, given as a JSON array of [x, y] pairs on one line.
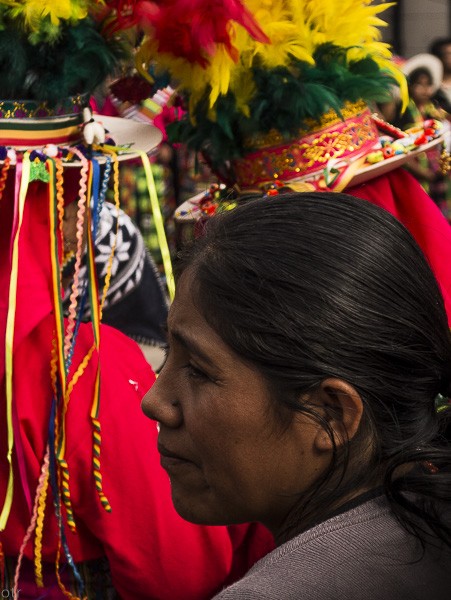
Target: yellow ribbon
[[159, 224], [9, 338]]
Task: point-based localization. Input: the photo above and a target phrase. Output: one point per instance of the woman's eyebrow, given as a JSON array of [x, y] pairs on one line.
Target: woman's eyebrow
[[191, 344]]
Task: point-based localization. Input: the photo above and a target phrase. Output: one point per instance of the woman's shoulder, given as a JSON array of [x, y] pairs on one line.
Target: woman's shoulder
[[362, 552]]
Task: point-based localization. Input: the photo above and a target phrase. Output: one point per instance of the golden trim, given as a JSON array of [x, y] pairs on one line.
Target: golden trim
[[330, 118], [26, 109], [308, 155]]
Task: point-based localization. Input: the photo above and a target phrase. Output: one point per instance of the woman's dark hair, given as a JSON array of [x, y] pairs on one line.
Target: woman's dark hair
[[315, 285], [415, 75], [437, 46]]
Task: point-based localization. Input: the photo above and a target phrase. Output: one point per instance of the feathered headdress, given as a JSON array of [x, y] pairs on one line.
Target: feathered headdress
[[51, 49], [250, 67]]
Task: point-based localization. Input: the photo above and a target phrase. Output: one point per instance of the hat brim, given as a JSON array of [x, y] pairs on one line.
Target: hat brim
[[370, 171], [389, 164], [426, 61], [189, 210], [131, 136], [126, 133]]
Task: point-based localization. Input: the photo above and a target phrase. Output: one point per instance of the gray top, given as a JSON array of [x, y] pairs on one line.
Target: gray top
[[360, 554]]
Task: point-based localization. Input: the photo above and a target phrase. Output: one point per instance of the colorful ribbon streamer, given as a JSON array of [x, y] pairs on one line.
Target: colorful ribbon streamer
[[22, 175]]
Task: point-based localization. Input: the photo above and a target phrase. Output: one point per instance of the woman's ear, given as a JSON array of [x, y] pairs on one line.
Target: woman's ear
[[342, 408]]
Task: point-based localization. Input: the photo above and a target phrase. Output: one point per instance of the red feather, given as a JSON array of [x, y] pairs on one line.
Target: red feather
[[124, 14], [192, 29]]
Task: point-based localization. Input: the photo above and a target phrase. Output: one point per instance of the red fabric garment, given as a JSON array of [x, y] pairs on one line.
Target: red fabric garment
[[152, 552], [401, 194]]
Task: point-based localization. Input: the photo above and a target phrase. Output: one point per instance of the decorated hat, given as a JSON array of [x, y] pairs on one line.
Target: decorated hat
[[62, 52], [282, 93], [389, 150]]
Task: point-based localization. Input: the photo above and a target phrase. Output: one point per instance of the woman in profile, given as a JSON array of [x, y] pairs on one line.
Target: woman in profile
[[306, 387]]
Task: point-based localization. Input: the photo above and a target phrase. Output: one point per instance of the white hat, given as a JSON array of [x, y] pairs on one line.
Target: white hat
[[426, 61]]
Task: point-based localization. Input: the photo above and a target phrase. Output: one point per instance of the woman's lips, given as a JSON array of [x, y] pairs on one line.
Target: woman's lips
[[169, 459]]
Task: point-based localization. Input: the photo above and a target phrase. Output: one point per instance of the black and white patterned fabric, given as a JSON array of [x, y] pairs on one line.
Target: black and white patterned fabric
[[135, 303]]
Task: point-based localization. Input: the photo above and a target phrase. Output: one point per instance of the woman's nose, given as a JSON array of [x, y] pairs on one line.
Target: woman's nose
[[161, 405]]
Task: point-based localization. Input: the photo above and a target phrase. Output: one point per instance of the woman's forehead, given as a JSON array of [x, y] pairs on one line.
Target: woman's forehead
[[185, 318]]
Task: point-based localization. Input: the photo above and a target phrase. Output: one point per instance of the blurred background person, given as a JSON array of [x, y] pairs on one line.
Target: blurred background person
[[424, 75], [441, 48]]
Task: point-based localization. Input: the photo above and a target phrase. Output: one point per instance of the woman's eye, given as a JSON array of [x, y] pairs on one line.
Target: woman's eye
[[192, 370], [196, 373]]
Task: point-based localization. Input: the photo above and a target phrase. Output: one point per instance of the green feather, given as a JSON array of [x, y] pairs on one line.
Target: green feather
[[13, 65], [286, 99], [76, 63]]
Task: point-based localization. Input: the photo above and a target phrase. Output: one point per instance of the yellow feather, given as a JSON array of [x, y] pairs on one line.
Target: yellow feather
[[347, 22], [195, 79], [243, 87], [399, 77], [219, 69], [296, 28], [283, 23], [34, 12]]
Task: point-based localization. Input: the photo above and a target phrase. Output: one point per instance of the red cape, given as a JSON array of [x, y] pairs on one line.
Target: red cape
[[153, 553], [400, 194]]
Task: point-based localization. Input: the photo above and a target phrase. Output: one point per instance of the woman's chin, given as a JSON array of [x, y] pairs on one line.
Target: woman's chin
[[202, 509]]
